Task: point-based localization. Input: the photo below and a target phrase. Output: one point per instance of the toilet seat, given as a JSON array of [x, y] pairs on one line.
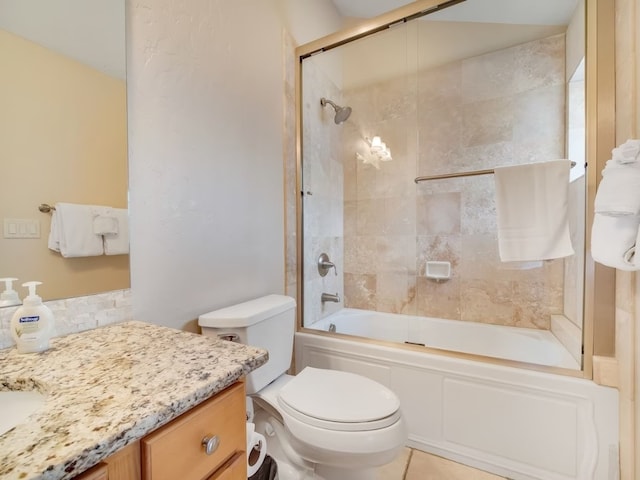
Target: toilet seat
[[341, 401], [319, 438]]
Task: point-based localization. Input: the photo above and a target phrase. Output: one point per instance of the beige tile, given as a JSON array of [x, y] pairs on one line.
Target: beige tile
[[539, 118], [488, 76], [487, 301], [395, 253], [438, 248], [439, 140], [396, 469], [438, 214], [487, 122], [360, 253], [424, 466], [369, 220], [478, 210], [399, 216], [439, 85], [360, 291], [395, 292], [438, 299], [539, 63]]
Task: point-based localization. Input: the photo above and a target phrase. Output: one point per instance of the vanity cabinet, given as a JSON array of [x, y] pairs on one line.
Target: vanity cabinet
[[99, 472], [178, 450]]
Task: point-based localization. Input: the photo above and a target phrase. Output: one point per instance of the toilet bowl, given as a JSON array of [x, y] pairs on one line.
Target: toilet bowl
[[320, 424]]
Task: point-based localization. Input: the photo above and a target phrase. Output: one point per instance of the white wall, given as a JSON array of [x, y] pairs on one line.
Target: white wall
[[308, 20], [205, 100]]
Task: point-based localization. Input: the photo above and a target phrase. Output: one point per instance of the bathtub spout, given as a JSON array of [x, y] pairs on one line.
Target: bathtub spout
[[330, 297]]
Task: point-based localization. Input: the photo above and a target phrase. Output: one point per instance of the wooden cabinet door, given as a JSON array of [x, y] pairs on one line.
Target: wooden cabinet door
[[125, 463], [234, 469], [99, 472], [175, 451]]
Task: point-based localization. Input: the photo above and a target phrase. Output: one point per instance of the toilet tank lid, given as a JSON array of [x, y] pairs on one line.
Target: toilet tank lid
[[247, 313]]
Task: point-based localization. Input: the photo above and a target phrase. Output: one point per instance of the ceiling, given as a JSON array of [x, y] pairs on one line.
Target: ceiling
[[89, 31], [92, 31], [524, 12]]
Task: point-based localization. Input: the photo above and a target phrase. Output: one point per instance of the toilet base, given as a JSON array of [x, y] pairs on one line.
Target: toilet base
[[288, 468], [293, 467]]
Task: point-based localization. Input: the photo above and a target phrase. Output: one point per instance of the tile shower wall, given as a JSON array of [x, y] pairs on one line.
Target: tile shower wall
[[77, 314], [289, 159], [323, 192], [502, 108]]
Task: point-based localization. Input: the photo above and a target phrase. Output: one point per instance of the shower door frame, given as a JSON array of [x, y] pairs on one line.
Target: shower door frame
[[599, 281]]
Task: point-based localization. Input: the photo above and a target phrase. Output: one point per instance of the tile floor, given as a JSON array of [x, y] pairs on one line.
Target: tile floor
[[416, 465]]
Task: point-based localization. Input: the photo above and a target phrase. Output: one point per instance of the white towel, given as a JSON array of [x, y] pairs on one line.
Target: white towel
[[72, 231], [105, 224], [627, 153], [613, 241], [619, 190], [531, 202], [118, 244], [54, 233]]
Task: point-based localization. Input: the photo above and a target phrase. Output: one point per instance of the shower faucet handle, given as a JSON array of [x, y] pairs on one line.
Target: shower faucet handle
[[324, 265]]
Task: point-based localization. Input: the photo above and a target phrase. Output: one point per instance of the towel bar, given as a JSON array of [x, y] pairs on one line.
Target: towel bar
[[462, 174], [45, 208]]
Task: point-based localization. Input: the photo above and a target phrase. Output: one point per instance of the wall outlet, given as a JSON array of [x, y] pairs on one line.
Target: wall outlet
[[21, 228]]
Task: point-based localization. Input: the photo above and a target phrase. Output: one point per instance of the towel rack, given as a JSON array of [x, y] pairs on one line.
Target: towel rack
[[45, 208], [472, 173]]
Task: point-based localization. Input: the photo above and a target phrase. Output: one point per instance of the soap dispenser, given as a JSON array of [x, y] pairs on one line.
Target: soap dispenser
[[32, 324], [9, 297]]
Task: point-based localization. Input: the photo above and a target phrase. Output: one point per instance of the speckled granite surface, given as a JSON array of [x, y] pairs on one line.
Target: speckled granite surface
[[108, 387]]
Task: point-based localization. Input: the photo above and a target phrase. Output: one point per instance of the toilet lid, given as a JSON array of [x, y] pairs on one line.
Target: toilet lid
[[339, 400]]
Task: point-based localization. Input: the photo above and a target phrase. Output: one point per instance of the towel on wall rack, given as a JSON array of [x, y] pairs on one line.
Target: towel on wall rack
[[613, 240], [615, 233], [532, 206], [619, 190], [71, 231], [118, 243], [105, 223]]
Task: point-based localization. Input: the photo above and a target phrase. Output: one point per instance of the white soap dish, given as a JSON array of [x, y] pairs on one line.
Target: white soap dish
[[439, 271]]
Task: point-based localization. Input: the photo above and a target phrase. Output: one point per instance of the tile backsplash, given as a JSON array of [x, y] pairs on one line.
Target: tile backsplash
[[77, 314]]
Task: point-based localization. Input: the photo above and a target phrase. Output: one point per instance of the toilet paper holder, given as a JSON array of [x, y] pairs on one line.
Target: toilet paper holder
[[255, 442]]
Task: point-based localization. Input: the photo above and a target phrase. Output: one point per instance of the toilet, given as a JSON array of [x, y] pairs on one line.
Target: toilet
[[320, 424]]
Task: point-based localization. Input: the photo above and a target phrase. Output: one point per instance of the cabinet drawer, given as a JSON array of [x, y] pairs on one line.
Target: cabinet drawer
[[175, 451], [234, 469], [99, 472]]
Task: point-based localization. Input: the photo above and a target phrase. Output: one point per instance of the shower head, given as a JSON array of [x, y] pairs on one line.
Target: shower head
[[342, 113]]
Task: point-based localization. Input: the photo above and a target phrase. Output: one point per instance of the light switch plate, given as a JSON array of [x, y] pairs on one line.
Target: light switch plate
[[21, 228]]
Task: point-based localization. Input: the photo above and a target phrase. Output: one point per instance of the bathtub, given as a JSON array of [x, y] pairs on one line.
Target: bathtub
[[527, 345], [519, 423]]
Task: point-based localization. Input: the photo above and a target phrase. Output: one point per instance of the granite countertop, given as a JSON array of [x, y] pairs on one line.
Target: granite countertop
[[106, 388]]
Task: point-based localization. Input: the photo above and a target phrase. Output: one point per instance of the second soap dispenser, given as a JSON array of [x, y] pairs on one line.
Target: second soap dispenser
[[32, 324], [9, 297]]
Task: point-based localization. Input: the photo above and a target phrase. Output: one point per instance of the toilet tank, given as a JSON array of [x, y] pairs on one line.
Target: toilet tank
[[267, 322]]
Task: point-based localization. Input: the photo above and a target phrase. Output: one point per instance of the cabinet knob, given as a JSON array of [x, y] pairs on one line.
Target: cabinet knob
[[210, 444]]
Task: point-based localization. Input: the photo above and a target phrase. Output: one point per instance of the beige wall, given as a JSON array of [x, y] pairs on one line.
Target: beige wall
[[64, 140], [451, 118]]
